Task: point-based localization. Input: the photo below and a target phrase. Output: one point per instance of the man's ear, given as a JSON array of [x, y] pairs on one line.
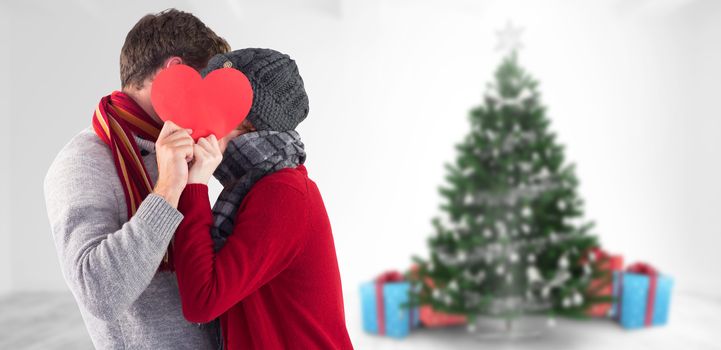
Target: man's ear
[[171, 61]]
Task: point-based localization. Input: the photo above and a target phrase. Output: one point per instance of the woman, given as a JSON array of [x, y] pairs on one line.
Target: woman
[[263, 260]]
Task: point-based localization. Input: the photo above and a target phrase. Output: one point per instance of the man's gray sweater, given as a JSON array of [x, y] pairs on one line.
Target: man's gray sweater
[[110, 262]]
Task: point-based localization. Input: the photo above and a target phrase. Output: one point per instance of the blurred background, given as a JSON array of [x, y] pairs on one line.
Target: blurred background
[[631, 86]]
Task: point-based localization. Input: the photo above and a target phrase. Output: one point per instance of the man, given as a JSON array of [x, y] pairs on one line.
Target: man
[[112, 194]]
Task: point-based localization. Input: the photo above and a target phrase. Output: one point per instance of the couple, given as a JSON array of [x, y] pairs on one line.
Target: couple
[[150, 264]]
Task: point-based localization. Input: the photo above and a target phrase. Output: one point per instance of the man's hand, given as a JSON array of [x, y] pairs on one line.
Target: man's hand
[[207, 155], [174, 149]]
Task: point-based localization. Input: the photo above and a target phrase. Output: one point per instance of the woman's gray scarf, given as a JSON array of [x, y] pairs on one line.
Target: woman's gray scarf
[[246, 160]]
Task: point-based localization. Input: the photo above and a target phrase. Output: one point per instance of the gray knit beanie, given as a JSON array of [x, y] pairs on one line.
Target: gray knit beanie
[[279, 99]]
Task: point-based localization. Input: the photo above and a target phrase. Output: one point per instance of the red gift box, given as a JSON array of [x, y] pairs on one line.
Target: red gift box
[[432, 318], [604, 286]]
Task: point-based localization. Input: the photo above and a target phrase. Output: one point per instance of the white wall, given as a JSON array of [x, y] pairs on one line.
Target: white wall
[[5, 214], [631, 88]]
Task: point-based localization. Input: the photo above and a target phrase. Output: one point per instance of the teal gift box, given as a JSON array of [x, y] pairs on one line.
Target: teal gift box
[[645, 297], [384, 306]]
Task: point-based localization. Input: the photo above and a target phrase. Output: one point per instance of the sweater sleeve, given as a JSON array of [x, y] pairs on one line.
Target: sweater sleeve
[[107, 264], [268, 235]]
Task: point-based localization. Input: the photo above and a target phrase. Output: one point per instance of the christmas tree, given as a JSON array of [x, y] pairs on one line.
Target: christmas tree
[[511, 239]]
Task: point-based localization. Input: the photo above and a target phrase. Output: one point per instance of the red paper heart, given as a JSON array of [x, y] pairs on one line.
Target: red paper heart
[[214, 105]]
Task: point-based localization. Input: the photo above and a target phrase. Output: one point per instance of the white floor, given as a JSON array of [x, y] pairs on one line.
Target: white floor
[[41, 321], [51, 321], [694, 324]]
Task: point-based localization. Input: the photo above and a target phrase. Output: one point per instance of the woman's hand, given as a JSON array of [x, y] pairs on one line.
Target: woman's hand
[[207, 155], [225, 140]]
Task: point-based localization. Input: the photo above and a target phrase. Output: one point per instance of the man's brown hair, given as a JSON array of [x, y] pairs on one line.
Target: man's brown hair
[[169, 33]]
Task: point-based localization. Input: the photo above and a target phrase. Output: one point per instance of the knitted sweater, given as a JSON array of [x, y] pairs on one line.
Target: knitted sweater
[[111, 263], [275, 283]]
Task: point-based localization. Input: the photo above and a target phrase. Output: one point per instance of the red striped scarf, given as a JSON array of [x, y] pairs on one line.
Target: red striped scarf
[[117, 118]]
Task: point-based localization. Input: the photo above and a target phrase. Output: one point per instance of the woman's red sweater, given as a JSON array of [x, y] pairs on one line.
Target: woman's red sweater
[[275, 283]]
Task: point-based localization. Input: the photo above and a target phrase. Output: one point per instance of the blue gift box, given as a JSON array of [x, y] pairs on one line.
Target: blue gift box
[[634, 300], [399, 319]]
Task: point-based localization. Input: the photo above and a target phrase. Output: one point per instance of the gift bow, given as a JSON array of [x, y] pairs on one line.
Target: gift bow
[[652, 273], [389, 276]]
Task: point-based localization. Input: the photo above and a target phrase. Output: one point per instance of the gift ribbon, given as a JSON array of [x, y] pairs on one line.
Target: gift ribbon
[[648, 270], [390, 276]]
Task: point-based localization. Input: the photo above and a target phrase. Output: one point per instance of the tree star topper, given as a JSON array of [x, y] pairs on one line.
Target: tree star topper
[[509, 38]]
